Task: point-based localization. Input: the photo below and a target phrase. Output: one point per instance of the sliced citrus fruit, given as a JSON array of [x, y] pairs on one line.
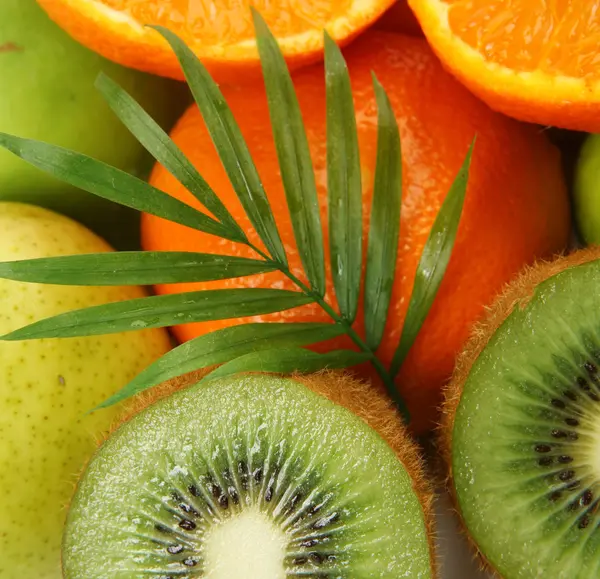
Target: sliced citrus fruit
[[533, 60], [220, 32]]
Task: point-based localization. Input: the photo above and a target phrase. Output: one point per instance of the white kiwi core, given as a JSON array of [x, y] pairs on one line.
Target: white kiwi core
[[247, 545]]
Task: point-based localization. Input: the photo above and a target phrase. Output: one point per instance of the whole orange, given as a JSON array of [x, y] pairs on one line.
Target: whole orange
[[516, 206]]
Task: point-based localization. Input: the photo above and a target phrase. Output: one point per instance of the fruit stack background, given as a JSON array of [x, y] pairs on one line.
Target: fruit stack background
[[443, 92]]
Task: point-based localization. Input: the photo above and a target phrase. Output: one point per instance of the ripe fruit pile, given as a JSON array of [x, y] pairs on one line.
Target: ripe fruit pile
[[505, 225], [280, 467]]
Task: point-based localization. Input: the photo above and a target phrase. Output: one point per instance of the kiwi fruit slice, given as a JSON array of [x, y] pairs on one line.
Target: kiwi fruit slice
[[255, 477], [521, 425]]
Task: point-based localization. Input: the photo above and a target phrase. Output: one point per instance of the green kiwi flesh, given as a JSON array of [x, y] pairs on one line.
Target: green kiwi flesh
[[253, 477], [525, 445]]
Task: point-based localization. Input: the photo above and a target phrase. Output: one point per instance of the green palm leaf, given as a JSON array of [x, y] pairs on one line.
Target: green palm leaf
[[151, 135], [110, 183], [132, 268], [250, 347], [289, 361], [434, 260], [161, 311], [221, 346], [230, 145], [343, 183], [384, 226], [295, 163]]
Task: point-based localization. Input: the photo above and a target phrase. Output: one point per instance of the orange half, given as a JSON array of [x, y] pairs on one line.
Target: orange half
[[220, 32], [536, 60]]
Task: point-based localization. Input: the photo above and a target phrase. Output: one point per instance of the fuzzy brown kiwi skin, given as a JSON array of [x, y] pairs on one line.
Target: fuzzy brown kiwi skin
[[357, 396], [516, 294]]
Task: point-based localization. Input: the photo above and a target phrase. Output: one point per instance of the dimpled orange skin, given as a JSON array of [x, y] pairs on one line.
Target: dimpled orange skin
[[516, 207]]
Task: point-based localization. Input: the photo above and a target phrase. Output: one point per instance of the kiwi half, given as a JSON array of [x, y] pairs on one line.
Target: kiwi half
[[255, 477], [521, 425]]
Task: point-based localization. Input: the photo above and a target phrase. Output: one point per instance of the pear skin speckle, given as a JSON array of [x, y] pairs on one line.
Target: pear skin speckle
[[47, 386]]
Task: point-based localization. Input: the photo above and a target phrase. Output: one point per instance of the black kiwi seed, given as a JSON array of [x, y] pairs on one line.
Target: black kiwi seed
[[564, 459], [269, 494], [583, 522], [586, 498], [189, 509], [326, 521], [314, 509], [175, 549], [258, 475], [309, 543], [590, 368], [215, 489], [558, 403], [542, 448], [583, 384], [566, 475], [242, 469], [555, 496], [572, 421], [570, 395], [194, 491], [294, 501], [235, 497], [189, 562], [224, 501], [545, 461], [556, 433], [187, 525]]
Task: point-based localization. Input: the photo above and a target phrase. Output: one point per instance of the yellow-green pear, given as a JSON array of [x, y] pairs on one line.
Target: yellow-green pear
[[47, 387]]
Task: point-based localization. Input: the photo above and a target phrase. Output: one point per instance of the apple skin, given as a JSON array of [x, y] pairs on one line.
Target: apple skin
[[586, 190], [47, 386], [48, 94]]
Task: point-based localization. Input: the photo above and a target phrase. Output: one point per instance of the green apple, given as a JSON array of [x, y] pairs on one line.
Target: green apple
[[47, 93], [586, 190], [47, 387]]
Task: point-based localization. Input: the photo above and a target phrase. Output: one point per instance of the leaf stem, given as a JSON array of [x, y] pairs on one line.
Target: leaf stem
[[386, 377]]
